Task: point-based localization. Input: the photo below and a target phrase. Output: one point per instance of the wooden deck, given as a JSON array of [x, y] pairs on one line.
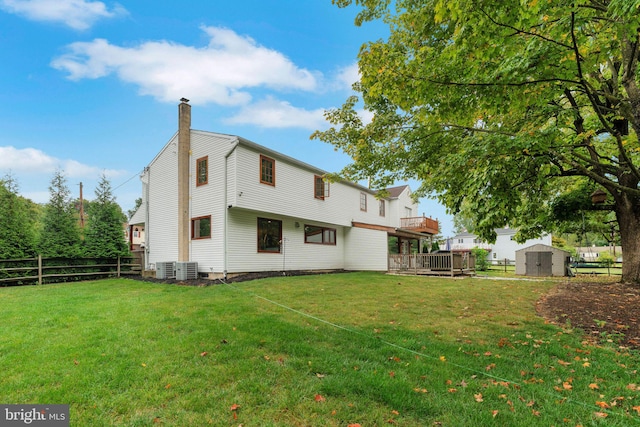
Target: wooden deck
[[438, 264], [420, 224]]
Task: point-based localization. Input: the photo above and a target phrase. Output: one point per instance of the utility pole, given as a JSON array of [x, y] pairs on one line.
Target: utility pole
[[81, 208]]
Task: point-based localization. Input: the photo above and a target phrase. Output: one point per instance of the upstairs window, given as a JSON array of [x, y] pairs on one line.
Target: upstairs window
[[382, 208], [319, 235], [201, 227], [267, 170], [363, 202], [269, 235], [202, 171], [320, 187]]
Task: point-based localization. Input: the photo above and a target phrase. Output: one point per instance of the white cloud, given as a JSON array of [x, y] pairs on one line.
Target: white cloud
[[36, 162], [77, 14], [272, 113], [223, 72], [347, 76]]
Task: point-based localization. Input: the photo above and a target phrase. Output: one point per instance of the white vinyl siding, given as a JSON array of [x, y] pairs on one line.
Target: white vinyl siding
[[294, 254], [366, 249], [291, 197], [162, 230]]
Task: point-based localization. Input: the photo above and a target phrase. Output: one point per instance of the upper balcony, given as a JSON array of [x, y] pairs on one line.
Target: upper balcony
[[420, 224]]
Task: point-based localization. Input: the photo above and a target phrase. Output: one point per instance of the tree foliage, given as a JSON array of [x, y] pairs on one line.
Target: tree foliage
[[501, 105], [60, 235], [17, 222], [104, 233]]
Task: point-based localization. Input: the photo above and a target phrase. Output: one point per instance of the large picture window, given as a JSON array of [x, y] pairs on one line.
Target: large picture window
[[269, 235], [202, 171], [267, 170], [319, 235], [201, 227]]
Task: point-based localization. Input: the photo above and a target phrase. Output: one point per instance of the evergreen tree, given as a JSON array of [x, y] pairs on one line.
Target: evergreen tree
[[104, 236], [17, 222], [60, 235]]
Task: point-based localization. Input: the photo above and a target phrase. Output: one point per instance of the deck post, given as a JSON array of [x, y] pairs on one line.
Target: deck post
[[451, 256]]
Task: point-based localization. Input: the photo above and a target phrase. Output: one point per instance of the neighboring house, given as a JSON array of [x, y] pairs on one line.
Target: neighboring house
[[505, 246], [134, 232], [234, 206], [592, 253]]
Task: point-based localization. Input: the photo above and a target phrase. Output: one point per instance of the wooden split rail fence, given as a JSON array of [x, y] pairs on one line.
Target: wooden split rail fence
[[41, 270]]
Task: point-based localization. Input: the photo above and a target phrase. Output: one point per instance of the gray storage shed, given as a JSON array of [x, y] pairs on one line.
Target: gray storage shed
[[542, 260]]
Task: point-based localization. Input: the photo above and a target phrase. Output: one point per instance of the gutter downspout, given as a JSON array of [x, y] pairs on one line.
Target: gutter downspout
[[146, 176], [226, 208]]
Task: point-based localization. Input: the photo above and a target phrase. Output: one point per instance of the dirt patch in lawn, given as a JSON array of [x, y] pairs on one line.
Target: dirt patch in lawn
[[605, 311]]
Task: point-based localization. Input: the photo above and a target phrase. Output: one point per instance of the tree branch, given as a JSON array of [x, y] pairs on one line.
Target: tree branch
[[528, 33]]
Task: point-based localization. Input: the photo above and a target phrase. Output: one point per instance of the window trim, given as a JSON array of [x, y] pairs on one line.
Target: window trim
[[198, 162], [322, 231], [363, 201], [273, 170], [263, 251], [193, 227]]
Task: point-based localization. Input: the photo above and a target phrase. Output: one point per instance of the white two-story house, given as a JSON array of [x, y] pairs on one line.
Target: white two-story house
[[504, 248], [233, 206]]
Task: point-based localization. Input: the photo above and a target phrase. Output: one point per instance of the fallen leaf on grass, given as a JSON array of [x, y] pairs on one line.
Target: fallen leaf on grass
[[478, 397], [593, 386], [203, 354], [319, 398], [601, 414], [637, 409], [234, 409], [354, 425], [603, 405]]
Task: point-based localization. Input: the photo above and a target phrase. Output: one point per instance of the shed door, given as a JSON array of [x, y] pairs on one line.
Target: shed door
[[539, 263]]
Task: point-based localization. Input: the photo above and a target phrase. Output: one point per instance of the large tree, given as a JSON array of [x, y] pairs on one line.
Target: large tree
[[104, 235], [60, 235], [501, 104], [18, 220]]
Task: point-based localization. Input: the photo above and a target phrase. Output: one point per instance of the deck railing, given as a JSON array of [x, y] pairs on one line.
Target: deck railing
[[439, 262], [420, 224]]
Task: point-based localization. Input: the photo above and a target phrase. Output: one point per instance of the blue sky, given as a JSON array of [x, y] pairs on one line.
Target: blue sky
[[92, 87]]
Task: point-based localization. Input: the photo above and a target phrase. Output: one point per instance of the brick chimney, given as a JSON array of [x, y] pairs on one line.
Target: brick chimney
[[184, 153]]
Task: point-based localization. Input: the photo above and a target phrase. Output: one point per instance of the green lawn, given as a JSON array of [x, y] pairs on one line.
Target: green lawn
[[327, 350]]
